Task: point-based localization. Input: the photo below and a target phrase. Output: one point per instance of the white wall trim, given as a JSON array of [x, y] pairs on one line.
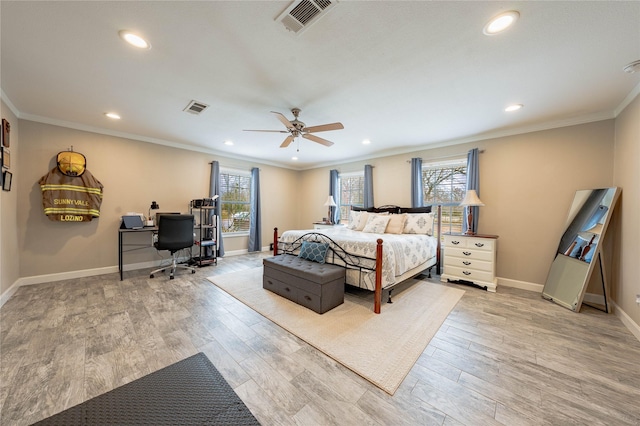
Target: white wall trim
[[523, 285], [10, 291], [627, 100], [626, 320]]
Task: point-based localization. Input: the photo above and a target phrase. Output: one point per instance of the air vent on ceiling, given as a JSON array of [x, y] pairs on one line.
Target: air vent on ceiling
[[302, 13], [195, 107]]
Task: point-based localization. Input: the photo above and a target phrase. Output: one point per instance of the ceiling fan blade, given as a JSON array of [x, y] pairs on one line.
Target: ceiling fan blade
[[317, 139], [273, 131], [284, 120], [324, 127], [287, 141]]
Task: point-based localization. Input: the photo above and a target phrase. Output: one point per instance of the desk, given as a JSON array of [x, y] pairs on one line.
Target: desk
[[121, 233]]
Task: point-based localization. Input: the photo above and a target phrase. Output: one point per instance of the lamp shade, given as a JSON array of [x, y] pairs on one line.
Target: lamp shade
[[330, 202], [471, 199]]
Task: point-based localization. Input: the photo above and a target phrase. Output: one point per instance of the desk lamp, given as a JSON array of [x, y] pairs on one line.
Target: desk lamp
[[154, 206], [330, 203], [470, 200]]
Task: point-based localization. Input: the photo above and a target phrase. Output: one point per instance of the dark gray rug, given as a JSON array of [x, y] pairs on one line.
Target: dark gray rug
[[189, 392]]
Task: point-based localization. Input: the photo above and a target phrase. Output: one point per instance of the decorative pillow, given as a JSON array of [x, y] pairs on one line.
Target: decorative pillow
[[376, 224], [396, 224], [354, 219], [362, 221], [314, 252], [419, 223]]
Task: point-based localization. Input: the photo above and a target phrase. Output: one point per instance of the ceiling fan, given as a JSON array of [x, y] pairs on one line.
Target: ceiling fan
[[297, 128]]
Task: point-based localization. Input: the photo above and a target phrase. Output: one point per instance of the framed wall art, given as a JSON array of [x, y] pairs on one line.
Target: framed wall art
[[6, 180], [6, 158], [6, 129]]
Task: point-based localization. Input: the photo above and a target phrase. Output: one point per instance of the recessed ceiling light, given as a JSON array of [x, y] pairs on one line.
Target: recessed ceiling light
[[134, 39], [514, 107], [228, 143], [112, 115], [632, 67], [501, 22], [294, 158], [366, 142]]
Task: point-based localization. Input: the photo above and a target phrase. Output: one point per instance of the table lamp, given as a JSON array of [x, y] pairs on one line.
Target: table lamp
[[470, 200], [154, 206], [330, 203]]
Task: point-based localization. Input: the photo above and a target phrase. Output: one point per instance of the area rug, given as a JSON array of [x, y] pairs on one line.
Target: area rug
[[381, 348], [189, 392]]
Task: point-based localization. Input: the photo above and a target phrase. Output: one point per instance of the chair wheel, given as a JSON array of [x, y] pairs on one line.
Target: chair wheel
[[193, 271], [151, 276], [171, 277]]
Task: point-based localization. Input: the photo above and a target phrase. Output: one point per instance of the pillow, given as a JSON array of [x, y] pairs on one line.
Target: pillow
[[354, 219], [314, 252], [419, 223], [376, 224], [396, 224]]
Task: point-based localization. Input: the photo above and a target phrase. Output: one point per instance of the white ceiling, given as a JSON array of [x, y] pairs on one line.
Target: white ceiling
[[407, 75]]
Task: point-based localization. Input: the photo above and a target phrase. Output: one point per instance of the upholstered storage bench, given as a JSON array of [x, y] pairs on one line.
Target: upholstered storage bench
[[319, 287]]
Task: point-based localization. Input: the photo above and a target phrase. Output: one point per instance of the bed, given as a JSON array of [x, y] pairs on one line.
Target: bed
[[404, 243]]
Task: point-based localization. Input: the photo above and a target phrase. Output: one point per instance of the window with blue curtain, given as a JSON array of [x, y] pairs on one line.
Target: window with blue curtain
[[444, 183], [235, 201], [351, 194]]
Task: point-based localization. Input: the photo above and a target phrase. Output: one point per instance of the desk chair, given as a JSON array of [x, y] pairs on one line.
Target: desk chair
[[175, 232]]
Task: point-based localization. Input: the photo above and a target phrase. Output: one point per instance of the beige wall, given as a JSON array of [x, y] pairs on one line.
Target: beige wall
[[133, 174], [626, 271], [527, 183], [9, 258]]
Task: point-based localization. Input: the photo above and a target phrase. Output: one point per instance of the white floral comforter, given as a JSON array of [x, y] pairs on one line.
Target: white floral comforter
[[401, 252]]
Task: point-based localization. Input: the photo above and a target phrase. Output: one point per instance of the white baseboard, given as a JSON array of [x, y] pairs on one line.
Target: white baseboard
[[626, 320], [522, 285], [7, 294], [243, 251]]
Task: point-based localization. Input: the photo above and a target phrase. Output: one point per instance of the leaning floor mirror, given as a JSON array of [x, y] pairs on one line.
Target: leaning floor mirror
[[580, 252]]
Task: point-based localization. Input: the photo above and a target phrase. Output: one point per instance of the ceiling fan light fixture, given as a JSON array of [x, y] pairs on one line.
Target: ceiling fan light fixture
[[134, 39], [501, 22]]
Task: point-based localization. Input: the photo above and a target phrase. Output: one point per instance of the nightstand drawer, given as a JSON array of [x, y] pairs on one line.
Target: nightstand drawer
[[469, 242], [469, 253], [479, 265], [468, 274]]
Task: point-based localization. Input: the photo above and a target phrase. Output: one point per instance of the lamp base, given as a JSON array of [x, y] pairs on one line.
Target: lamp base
[[469, 230]]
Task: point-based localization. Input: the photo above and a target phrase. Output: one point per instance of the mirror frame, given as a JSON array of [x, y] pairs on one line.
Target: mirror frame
[[565, 267]]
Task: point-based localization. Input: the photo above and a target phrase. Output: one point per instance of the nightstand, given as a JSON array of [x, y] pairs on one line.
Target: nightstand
[[323, 225], [471, 260]]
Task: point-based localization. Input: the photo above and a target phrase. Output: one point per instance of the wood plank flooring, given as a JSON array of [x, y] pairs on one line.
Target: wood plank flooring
[[505, 358]]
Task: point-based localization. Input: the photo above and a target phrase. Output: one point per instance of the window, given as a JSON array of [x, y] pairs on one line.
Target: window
[[351, 194], [235, 196], [445, 183]]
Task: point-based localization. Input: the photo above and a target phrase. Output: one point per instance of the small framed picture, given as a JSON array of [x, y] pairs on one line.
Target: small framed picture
[[6, 128], [6, 158], [6, 180]]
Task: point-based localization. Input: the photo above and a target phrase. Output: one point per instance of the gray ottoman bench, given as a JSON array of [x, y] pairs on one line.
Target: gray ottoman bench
[[319, 287]]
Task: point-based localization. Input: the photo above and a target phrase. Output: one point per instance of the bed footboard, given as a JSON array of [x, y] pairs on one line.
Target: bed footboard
[[346, 259]]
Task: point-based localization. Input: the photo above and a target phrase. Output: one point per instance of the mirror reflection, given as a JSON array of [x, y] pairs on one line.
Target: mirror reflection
[[586, 219]]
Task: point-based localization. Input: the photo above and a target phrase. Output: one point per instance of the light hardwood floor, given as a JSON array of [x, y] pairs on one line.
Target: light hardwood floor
[[507, 358]]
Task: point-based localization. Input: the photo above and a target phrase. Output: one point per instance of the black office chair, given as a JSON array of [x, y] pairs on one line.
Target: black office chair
[[175, 232]]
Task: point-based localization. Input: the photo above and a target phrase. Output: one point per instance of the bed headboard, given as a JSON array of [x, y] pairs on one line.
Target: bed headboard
[[393, 209]]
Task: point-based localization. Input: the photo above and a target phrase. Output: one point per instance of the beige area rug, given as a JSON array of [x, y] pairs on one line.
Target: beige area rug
[[381, 348]]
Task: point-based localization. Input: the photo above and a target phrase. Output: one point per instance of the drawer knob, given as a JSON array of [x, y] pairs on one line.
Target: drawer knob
[[269, 281], [455, 242], [308, 298], [479, 244], [466, 272], [287, 288], [466, 262], [466, 253]]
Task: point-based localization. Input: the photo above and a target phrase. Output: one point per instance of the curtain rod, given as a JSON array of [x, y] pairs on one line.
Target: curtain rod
[[447, 156]]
